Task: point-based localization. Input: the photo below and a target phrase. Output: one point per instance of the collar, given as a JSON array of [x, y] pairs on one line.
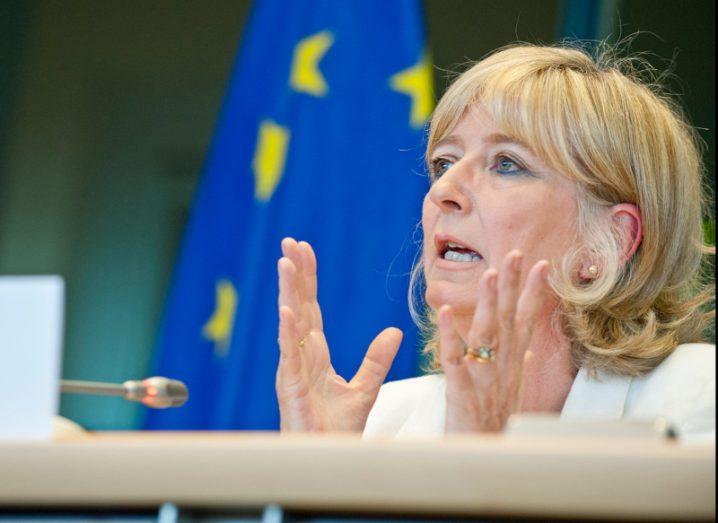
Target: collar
[[602, 397]]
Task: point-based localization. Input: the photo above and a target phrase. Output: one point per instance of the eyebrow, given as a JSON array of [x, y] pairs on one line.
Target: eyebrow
[[449, 140], [497, 138], [494, 138]]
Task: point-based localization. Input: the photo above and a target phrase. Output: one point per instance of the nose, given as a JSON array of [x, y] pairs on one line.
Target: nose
[[450, 192]]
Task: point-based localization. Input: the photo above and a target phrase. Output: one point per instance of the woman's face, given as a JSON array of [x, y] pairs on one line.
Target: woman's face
[[491, 195]]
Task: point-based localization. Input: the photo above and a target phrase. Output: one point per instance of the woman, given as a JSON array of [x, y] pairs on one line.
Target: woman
[[561, 259]]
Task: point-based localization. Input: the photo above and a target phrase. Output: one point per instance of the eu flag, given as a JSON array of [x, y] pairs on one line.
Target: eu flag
[[320, 138]]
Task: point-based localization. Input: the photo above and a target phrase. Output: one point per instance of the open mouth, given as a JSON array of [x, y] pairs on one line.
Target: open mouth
[[452, 249]]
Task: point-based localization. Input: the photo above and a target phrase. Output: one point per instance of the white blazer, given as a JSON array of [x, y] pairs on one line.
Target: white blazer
[[681, 389]]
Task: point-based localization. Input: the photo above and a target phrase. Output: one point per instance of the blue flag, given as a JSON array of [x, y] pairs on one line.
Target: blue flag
[[321, 138]]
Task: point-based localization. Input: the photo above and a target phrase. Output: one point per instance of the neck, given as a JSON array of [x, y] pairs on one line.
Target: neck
[[548, 374]]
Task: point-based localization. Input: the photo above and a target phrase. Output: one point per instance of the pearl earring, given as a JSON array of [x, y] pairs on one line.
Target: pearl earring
[[593, 271]]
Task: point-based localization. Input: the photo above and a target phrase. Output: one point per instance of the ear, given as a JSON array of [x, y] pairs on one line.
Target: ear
[[629, 224]]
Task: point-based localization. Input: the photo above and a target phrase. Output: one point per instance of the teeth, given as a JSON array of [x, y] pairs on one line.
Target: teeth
[[461, 256], [452, 245]]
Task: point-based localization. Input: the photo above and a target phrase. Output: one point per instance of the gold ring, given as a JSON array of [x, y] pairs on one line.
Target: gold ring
[[482, 354]]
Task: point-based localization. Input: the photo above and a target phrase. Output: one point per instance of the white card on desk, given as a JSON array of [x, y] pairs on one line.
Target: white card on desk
[[31, 327]]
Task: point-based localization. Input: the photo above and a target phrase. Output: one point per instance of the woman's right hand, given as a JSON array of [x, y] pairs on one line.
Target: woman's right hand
[[312, 396]]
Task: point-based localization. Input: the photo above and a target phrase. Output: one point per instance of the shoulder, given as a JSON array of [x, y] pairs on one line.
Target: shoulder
[[681, 388], [695, 357], [399, 400], [690, 366]]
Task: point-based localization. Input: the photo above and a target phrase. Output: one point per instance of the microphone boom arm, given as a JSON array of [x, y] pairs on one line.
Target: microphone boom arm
[[155, 392], [92, 387]]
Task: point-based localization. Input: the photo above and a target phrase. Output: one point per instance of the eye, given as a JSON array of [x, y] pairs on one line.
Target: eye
[[507, 166], [439, 166]]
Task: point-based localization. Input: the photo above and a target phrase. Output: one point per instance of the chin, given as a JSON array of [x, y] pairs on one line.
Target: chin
[[461, 299]]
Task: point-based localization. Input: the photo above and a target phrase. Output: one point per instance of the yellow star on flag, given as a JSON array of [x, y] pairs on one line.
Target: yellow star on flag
[[269, 158], [305, 76], [416, 82], [219, 326]]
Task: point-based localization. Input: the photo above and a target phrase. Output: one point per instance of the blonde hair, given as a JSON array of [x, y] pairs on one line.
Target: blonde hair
[[594, 119]]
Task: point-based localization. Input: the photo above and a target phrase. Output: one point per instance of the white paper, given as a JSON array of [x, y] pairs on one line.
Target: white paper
[[31, 328]]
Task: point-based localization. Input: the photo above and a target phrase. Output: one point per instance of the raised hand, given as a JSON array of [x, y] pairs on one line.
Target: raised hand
[[483, 382], [312, 396]]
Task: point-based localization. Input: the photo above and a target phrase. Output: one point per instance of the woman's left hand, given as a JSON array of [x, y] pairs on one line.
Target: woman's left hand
[[481, 395]]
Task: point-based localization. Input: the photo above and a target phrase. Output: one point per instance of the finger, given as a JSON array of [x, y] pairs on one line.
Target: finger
[[462, 409], [377, 361], [287, 287], [516, 404], [451, 355], [309, 265], [530, 304], [295, 405], [483, 326], [484, 329], [508, 288], [290, 362], [290, 249]]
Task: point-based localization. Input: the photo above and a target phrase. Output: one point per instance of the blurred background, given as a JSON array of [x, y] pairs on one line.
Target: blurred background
[[108, 109]]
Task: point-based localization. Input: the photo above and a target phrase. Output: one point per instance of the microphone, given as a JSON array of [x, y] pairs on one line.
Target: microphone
[[155, 392]]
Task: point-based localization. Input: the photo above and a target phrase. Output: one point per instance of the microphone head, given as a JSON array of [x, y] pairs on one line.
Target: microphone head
[[157, 392], [162, 393], [177, 393]]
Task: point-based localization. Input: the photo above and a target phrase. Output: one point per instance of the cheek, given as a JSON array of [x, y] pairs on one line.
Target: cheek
[[429, 213], [540, 227], [429, 216], [554, 222], [553, 230], [505, 228]]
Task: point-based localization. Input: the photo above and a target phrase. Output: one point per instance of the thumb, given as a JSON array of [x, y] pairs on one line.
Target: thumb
[[377, 361]]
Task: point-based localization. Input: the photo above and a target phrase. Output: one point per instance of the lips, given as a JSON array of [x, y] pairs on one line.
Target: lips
[[455, 249]]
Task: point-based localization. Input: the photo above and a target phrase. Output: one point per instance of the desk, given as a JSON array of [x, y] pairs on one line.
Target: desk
[[489, 475]]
